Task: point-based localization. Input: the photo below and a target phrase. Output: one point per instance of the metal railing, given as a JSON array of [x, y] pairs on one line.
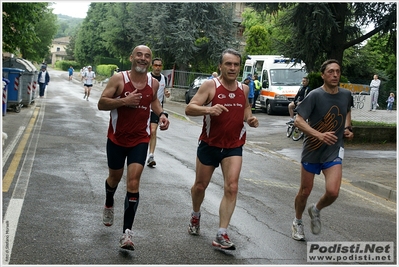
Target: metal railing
[[183, 79]]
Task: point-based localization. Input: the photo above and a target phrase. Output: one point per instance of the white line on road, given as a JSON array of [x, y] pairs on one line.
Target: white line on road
[[11, 218]]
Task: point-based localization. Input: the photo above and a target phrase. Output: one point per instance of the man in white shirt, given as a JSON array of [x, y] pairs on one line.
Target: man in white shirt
[[374, 90], [88, 82], [43, 79]]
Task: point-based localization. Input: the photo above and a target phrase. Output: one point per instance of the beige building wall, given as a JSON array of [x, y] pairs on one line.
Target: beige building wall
[[58, 49]]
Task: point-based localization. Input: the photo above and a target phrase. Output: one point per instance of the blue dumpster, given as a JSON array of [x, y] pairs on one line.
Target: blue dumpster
[[5, 86], [14, 90]]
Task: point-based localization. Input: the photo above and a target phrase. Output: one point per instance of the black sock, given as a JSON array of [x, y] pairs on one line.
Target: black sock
[[109, 195], [131, 203]]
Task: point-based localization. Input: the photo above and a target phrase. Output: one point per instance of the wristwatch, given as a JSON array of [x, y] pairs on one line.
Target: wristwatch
[[164, 113]]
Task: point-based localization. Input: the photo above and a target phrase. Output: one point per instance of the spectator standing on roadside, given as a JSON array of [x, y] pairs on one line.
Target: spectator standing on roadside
[[374, 91], [214, 75], [157, 65], [224, 104], [324, 115], [128, 96], [251, 93], [390, 101], [43, 78], [88, 82], [70, 72], [257, 87]]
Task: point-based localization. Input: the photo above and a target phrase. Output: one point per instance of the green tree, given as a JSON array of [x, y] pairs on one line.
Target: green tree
[[258, 41], [21, 33], [325, 30], [189, 35], [89, 45], [45, 29], [117, 35]]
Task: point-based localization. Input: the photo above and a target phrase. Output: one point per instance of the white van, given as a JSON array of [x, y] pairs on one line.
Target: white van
[[280, 78]]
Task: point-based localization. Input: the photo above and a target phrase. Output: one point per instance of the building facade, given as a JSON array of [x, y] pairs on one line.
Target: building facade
[[58, 49]]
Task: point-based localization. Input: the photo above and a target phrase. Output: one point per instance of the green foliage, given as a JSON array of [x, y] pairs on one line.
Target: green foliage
[[107, 60], [189, 36], [65, 64], [258, 41], [28, 28], [315, 80], [67, 26], [106, 70], [89, 41], [262, 33], [45, 29], [319, 31]]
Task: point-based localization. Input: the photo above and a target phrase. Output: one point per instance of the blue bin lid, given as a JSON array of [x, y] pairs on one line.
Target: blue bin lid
[[13, 70]]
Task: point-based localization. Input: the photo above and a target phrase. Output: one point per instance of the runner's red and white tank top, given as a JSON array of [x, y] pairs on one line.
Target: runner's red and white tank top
[[226, 130], [130, 126]]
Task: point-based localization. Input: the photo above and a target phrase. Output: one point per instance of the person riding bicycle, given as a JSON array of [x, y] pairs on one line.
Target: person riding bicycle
[[302, 92]]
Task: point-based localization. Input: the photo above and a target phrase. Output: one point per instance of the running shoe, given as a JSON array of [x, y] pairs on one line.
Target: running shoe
[[126, 240], [194, 226], [151, 162], [223, 241], [297, 232], [315, 224], [108, 216]]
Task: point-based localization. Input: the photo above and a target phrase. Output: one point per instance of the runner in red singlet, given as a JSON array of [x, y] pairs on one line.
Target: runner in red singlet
[[129, 96], [224, 104]]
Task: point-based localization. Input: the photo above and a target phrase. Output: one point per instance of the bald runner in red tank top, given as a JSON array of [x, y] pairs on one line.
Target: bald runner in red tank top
[[121, 131], [226, 130]]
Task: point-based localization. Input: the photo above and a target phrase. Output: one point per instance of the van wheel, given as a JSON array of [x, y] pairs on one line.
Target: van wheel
[[269, 109], [187, 99]]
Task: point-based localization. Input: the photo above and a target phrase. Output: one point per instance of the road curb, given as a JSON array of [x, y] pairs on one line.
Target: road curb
[[377, 189]]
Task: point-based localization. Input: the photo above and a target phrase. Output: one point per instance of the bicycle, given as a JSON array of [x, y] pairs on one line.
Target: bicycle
[[294, 131]]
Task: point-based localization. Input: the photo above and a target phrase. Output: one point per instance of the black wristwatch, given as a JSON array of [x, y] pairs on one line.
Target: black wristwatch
[[164, 113]]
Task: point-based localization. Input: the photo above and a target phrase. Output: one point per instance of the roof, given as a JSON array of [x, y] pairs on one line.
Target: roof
[[62, 40]]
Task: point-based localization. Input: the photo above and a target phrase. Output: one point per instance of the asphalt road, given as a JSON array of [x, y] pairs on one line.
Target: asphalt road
[[54, 194]]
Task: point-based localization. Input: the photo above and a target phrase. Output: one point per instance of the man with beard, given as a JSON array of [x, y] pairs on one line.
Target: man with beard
[[129, 96]]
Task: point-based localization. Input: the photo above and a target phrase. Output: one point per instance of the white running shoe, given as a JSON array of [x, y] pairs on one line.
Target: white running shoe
[[315, 224], [223, 241], [108, 216], [297, 231], [126, 240]]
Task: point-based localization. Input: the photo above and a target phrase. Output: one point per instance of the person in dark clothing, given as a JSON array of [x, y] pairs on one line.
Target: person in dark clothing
[[302, 92], [43, 79]]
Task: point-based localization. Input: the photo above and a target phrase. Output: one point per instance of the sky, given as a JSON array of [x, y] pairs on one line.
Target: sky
[[75, 9]]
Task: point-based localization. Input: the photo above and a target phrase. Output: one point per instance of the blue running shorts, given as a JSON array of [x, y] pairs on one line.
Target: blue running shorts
[[317, 167]]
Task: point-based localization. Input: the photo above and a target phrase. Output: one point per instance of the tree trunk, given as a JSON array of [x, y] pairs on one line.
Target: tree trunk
[[338, 34]]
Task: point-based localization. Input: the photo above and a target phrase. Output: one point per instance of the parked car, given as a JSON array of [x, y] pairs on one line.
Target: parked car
[[193, 88]]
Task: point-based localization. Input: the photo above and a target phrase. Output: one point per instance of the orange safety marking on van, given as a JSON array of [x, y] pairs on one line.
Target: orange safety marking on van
[[272, 94], [267, 93]]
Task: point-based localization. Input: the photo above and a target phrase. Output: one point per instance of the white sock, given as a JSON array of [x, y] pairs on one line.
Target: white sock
[[315, 209], [297, 221], [196, 214], [222, 231]]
